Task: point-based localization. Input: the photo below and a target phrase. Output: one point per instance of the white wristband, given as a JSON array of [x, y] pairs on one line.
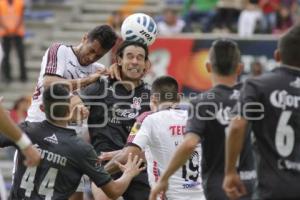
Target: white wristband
[[23, 142]]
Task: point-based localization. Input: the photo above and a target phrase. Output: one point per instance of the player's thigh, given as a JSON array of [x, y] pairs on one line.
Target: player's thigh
[[138, 189]]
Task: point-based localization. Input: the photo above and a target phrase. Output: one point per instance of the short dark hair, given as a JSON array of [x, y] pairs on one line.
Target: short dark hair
[[288, 46], [165, 88], [56, 94], [224, 56], [105, 35], [125, 44]]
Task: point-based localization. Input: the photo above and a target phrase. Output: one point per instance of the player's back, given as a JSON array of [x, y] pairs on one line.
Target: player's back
[[213, 111], [61, 167], [277, 134], [167, 132]]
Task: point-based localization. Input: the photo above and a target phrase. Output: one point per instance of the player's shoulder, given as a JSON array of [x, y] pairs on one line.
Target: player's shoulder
[[206, 96], [98, 65], [58, 45], [32, 126], [268, 77], [166, 114], [142, 116], [81, 147]]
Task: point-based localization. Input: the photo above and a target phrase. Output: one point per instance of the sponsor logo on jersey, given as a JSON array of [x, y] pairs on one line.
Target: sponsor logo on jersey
[[52, 139], [247, 175], [296, 83], [177, 130], [285, 164], [190, 184], [282, 99], [52, 157], [136, 103]]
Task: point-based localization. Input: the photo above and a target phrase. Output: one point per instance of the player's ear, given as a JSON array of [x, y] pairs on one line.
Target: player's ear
[[119, 61], [208, 66], [153, 103], [240, 68], [147, 66], [42, 107], [277, 55]]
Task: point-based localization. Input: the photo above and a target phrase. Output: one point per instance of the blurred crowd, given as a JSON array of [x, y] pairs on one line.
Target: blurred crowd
[[245, 17]]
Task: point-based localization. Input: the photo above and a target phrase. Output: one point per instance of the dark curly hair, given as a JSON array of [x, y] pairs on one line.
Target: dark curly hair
[[105, 35]]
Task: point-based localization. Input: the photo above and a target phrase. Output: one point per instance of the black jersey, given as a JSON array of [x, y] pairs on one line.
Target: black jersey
[[209, 118], [113, 110], [65, 158], [277, 133]]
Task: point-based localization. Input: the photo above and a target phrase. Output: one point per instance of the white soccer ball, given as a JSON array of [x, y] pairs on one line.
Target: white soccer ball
[[139, 27]]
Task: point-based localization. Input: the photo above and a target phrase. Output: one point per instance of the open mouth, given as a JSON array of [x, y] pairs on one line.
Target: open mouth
[[134, 70]]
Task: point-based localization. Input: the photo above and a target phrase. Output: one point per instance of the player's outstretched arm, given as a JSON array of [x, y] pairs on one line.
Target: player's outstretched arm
[[232, 184], [75, 83], [179, 158], [9, 129], [132, 168], [121, 157]]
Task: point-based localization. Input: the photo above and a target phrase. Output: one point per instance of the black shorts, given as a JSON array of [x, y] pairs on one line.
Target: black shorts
[[138, 189]]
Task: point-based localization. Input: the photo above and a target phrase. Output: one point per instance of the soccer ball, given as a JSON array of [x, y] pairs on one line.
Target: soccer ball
[[139, 27]]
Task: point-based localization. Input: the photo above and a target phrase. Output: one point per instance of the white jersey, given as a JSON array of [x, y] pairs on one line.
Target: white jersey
[[59, 60], [162, 132]]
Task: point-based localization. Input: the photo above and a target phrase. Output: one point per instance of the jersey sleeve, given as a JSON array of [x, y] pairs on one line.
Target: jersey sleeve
[[137, 125], [91, 166], [56, 60], [249, 102], [143, 135], [194, 123], [5, 142]]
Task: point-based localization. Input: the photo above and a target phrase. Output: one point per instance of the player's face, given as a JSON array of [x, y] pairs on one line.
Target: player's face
[[90, 52], [133, 63]]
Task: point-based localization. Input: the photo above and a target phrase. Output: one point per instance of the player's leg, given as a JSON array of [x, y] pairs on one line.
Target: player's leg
[[21, 55], [6, 45]]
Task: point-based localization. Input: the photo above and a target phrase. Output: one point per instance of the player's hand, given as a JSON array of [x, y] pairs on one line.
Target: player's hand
[[133, 165], [96, 76], [32, 156], [114, 72], [159, 189], [80, 113], [233, 186], [106, 156]]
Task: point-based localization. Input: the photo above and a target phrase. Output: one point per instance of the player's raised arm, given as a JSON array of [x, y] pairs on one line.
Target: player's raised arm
[[9, 129]]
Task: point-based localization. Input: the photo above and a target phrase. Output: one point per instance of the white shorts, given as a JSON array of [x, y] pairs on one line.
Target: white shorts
[[190, 196]]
